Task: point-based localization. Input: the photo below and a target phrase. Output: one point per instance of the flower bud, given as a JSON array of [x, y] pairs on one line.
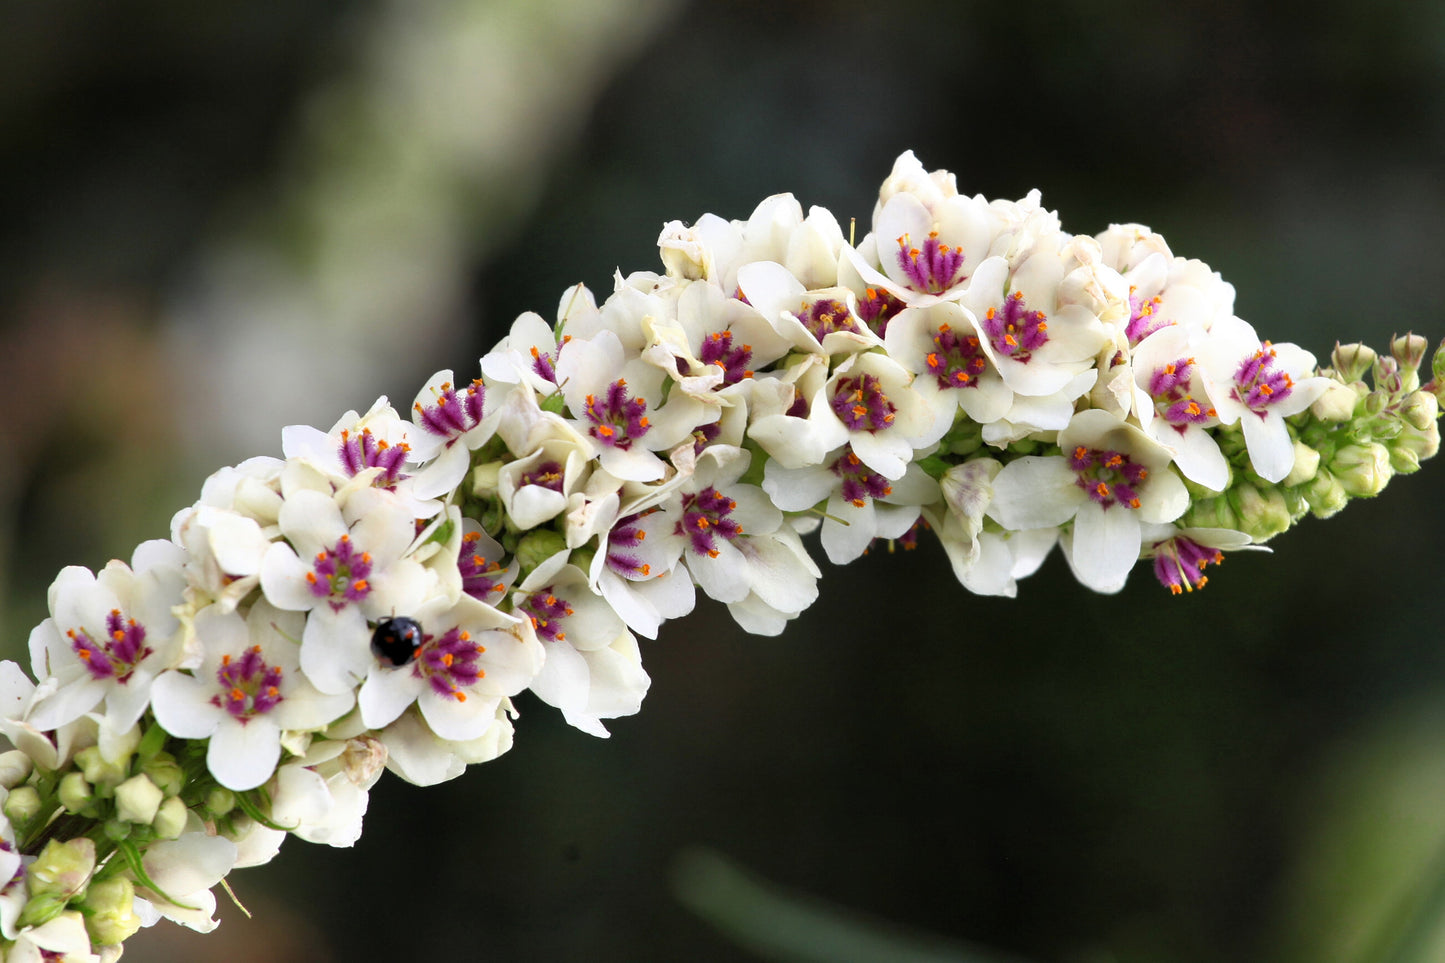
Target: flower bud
[[1262, 514], [1325, 495], [537, 546], [170, 819], [98, 771], [1363, 469], [137, 799], [484, 479], [1306, 463], [1412, 446], [166, 773], [1211, 513], [1409, 351], [22, 804], [1352, 360], [15, 767], [1388, 377], [220, 801], [75, 793], [62, 869], [1420, 410], [109, 910], [683, 253], [1338, 401]]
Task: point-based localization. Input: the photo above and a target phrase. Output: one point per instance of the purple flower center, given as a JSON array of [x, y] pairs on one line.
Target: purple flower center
[[1179, 563], [956, 362], [360, 452], [877, 307], [1142, 320], [1109, 477], [449, 663], [860, 483], [624, 538], [545, 363], [933, 268], [547, 475], [1170, 386], [718, 349], [115, 656], [704, 435], [1259, 382], [477, 571], [339, 574], [618, 419], [1016, 332], [547, 611], [827, 316], [705, 519], [453, 414], [251, 686], [861, 404]]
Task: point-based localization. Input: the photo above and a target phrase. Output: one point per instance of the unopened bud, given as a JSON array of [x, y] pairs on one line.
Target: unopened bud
[[15, 767], [1306, 463], [166, 773], [109, 910], [1338, 401], [22, 804], [1363, 469], [1412, 446], [1420, 410], [484, 479], [220, 801], [62, 868], [98, 771], [75, 793], [1388, 377], [1211, 513], [1409, 351], [170, 819], [1325, 495], [1263, 514], [1352, 360], [537, 546], [137, 799]]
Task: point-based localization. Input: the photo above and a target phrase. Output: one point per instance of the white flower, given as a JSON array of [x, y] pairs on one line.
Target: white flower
[[108, 637], [940, 346], [422, 758], [453, 424], [322, 796], [1260, 384], [247, 692], [1172, 403], [377, 443], [184, 870], [861, 504], [471, 657], [1037, 344], [344, 575], [1110, 479]]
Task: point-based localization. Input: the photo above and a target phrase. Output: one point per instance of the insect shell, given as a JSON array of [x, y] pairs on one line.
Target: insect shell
[[396, 640]]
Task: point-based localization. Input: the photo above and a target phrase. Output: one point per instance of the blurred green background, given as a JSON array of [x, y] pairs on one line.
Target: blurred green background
[[222, 218]]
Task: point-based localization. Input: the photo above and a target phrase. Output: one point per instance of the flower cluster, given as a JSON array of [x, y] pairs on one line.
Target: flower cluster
[[377, 597]]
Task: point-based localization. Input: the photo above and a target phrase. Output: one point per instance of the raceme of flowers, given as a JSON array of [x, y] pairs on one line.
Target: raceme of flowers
[[376, 598]]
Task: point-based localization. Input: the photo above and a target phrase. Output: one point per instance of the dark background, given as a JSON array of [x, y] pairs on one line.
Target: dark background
[[1254, 772]]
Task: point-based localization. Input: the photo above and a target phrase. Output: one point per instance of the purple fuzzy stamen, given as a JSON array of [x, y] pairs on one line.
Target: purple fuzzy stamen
[[1016, 332], [860, 483], [705, 519], [861, 404], [1171, 387], [449, 663], [1142, 319], [360, 452], [547, 611], [117, 656], [618, 420], [933, 268], [956, 362], [1109, 477], [339, 574], [826, 316], [1259, 383], [627, 535], [453, 414], [718, 349], [477, 571], [252, 687], [1179, 563], [877, 307]]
